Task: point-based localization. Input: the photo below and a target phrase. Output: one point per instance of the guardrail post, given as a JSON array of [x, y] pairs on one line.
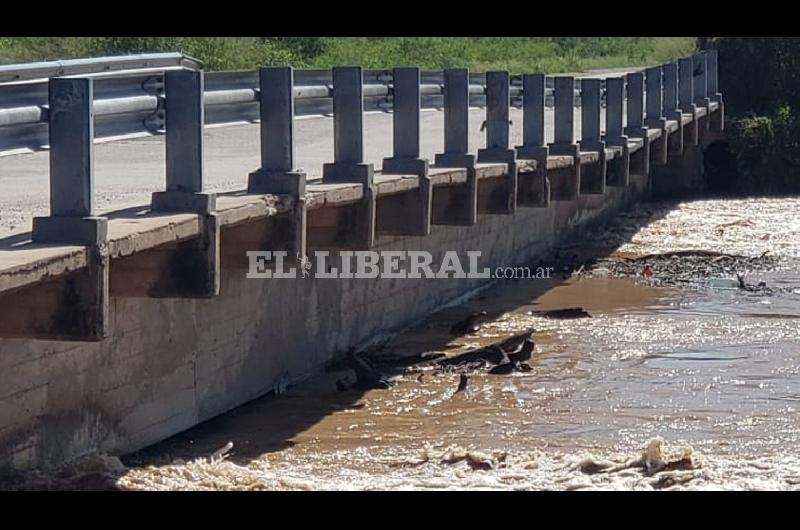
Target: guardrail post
[[686, 97], [712, 61], [348, 148], [72, 219], [456, 120], [184, 119], [615, 111], [278, 174], [686, 85], [498, 101], [670, 106], [654, 117], [533, 143], [456, 139], [590, 136], [564, 137], [406, 142], [700, 72], [348, 129], [635, 119]]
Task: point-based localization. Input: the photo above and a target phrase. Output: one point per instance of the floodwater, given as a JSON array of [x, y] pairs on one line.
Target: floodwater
[[693, 386]]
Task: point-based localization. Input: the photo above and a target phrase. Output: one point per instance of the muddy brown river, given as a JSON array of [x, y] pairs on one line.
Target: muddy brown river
[[670, 384]]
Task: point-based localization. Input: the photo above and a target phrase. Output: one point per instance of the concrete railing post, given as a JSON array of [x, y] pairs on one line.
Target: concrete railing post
[[456, 120], [278, 173], [671, 106], [615, 137], [406, 143], [594, 182], [670, 103], [590, 115], [456, 141], [615, 110], [533, 104], [498, 101], [564, 126], [348, 129], [533, 143], [654, 79], [406, 125], [635, 120], [498, 127], [712, 63], [686, 98], [348, 149], [564, 138], [635, 107], [686, 85], [185, 176], [185, 120], [71, 219], [83, 313], [700, 73]]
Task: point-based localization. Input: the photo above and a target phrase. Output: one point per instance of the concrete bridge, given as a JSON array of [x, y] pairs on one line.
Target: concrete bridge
[[121, 327]]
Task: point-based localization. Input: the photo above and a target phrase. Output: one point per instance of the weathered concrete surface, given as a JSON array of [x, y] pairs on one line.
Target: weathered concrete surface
[[171, 363]]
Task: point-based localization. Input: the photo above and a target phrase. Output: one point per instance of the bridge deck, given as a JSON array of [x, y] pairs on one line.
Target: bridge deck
[[127, 172]]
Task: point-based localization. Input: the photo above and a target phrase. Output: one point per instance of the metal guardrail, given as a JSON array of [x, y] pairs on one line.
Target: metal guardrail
[[129, 95], [95, 65]]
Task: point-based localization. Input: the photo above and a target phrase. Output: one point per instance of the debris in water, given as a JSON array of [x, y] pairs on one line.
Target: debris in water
[[567, 312], [468, 325], [221, 453], [367, 378], [503, 369], [462, 383], [723, 283], [656, 457], [591, 466], [474, 459]]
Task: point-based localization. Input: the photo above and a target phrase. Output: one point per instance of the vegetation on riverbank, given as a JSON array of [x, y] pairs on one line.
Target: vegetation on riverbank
[[760, 82], [517, 54]]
